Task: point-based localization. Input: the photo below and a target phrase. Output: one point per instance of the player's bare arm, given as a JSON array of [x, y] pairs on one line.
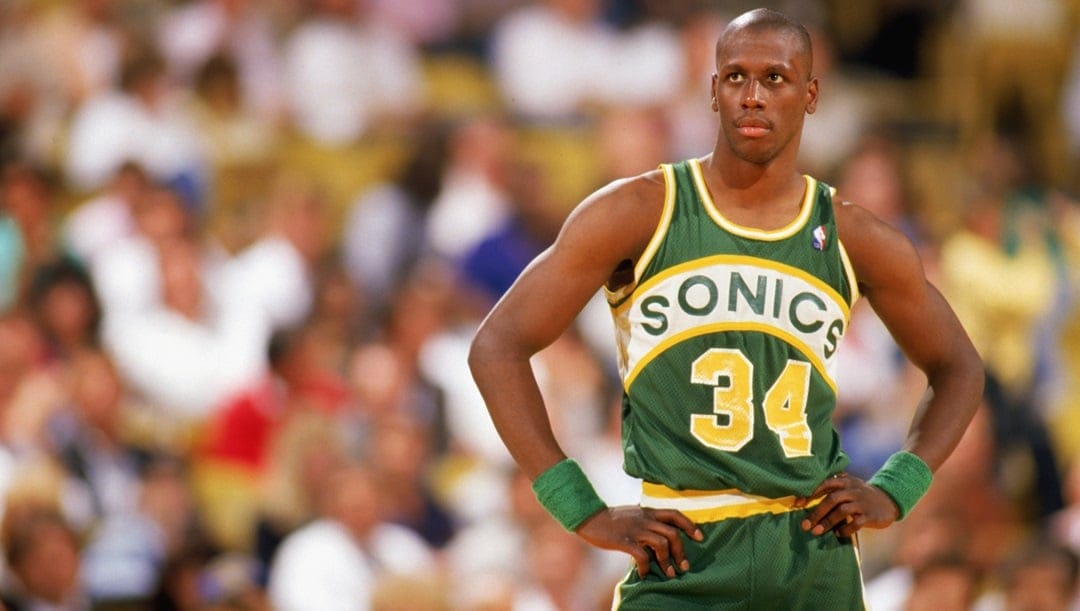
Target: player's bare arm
[[601, 239], [891, 277]]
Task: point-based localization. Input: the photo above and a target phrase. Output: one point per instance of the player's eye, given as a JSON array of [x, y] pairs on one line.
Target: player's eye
[[775, 78], [735, 77]]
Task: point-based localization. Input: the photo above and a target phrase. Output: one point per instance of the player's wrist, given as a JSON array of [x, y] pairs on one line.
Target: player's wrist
[[904, 478], [567, 494]]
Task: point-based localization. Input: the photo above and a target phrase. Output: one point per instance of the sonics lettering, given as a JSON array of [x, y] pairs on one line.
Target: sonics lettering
[[738, 293]]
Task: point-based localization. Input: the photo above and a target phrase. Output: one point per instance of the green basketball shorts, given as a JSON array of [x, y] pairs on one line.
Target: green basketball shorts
[[756, 562]]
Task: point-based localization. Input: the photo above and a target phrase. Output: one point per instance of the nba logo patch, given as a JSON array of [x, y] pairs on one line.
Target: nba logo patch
[[820, 239]]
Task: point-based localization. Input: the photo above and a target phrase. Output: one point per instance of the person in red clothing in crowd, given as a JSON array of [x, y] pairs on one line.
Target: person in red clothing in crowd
[[233, 456], [242, 430]]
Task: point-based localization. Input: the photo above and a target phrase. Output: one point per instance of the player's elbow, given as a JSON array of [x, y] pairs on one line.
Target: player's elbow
[[488, 347], [480, 350], [967, 373]]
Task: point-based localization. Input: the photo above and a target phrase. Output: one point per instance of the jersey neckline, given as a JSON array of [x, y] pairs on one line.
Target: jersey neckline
[[751, 232]]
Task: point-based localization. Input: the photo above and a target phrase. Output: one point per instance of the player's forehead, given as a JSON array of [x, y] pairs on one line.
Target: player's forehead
[[762, 46]]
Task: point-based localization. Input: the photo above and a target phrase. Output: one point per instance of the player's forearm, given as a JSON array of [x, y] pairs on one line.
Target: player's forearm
[[954, 396], [508, 385]]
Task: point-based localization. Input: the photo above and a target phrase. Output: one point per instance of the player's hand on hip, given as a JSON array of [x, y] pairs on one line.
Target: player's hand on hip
[[643, 533], [848, 504]]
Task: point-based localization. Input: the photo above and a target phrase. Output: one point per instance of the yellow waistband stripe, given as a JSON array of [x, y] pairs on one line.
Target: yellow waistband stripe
[[715, 505]]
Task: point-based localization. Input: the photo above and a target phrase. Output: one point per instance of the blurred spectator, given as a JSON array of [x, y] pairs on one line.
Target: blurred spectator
[[1040, 576], [630, 140], [492, 265], [217, 315], [549, 57], [472, 197], [930, 537], [42, 551], [556, 562], [307, 451], [242, 430], [129, 551], [554, 59], [191, 34], [63, 299], [944, 583], [191, 382], [32, 96], [874, 176], [143, 121], [1001, 39], [689, 114], [107, 217], [340, 314], [383, 236], [1003, 273], [386, 373], [347, 75], [487, 551], [336, 561], [833, 132], [440, 346], [29, 394], [269, 285], [89, 436], [232, 132], [86, 43], [126, 274], [28, 199], [235, 449], [400, 452]]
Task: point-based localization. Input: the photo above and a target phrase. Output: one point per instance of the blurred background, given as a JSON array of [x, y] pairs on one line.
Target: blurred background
[[244, 246]]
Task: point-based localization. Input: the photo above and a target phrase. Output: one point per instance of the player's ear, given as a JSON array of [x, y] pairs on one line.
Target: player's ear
[[811, 95], [715, 104]]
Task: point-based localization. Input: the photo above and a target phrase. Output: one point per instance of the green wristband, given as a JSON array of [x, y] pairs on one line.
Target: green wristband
[[905, 478], [567, 494]]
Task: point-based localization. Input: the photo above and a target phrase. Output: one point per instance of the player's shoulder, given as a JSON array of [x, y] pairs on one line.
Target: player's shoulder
[[622, 214], [644, 188], [857, 225], [877, 250], [627, 198]]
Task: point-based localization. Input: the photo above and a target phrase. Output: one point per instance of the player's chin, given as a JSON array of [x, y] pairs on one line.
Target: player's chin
[[758, 155]]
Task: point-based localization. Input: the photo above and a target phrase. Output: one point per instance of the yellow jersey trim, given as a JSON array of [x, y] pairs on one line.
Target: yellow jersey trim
[[704, 506], [849, 269], [742, 260], [730, 326], [749, 232], [657, 238]]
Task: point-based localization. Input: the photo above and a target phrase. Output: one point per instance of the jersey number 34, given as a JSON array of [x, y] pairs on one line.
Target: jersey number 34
[[731, 425]]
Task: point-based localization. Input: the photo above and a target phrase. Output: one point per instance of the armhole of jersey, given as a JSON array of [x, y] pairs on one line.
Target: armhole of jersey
[[615, 298], [849, 269]]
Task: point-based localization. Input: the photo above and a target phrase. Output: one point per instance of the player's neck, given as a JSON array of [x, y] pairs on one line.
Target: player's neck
[[750, 185]]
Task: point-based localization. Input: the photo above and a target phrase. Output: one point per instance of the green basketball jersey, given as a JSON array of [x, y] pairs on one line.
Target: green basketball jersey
[[727, 344]]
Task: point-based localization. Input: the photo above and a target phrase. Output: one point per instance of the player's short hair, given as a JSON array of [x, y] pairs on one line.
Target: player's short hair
[[762, 19]]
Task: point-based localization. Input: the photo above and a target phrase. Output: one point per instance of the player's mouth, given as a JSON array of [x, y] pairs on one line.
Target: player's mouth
[[753, 128]]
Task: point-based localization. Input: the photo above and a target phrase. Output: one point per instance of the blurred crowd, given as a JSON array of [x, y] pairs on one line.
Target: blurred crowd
[[244, 246]]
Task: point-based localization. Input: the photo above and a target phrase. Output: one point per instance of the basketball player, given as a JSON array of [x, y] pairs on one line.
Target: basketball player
[[731, 278]]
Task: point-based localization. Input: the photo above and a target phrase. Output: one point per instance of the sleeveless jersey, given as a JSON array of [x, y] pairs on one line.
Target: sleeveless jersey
[[727, 342]]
